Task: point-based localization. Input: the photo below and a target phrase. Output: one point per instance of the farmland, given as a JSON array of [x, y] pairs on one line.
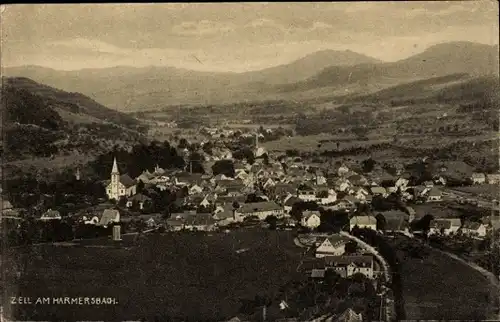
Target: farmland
[[438, 287], [486, 191], [191, 277]]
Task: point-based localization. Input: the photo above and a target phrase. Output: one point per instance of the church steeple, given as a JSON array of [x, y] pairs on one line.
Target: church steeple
[[115, 167]]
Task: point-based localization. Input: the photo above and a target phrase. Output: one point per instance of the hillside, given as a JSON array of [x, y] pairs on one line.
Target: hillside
[[308, 66], [321, 74], [455, 88], [128, 88], [41, 121], [439, 60]]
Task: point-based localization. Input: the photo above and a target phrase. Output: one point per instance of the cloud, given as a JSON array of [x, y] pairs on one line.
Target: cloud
[[202, 28]]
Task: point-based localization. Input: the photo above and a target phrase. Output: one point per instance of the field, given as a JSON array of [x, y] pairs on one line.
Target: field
[[486, 191], [441, 288], [437, 210], [191, 277]]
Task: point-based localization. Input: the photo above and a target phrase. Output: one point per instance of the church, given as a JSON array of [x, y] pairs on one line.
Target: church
[[120, 185]]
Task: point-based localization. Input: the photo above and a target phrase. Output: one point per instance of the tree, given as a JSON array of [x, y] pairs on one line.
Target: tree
[[140, 186], [368, 165], [183, 143], [381, 222], [225, 167], [351, 247], [272, 221]]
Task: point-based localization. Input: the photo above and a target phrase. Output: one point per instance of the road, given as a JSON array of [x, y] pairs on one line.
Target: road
[[386, 306]]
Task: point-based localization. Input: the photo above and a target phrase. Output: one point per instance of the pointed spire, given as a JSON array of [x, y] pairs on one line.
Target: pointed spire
[[115, 166]]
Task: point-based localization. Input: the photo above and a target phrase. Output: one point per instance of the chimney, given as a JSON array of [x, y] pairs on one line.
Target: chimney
[[264, 313]]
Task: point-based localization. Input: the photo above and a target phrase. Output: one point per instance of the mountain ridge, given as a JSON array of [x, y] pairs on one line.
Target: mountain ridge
[[124, 88]]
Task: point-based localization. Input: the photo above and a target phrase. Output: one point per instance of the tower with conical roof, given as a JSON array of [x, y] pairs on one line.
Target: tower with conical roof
[[115, 181]]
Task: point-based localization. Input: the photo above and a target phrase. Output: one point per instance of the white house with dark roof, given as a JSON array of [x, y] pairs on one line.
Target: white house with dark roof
[[347, 266], [332, 246], [51, 215], [138, 199], [493, 178], [478, 178], [261, 209], [310, 219], [434, 194], [471, 228], [444, 226], [109, 216], [120, 185], [369, 222]]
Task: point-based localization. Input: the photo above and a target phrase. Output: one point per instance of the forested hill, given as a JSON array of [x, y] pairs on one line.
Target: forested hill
[[41, 121]]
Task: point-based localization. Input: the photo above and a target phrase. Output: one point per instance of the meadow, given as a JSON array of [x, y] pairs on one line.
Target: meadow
[[188, 277], [438, 287]]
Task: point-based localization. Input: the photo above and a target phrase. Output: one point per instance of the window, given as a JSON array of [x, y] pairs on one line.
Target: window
[[122, 191]]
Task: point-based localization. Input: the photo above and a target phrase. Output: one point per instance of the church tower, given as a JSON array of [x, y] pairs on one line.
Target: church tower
[[115, 180]]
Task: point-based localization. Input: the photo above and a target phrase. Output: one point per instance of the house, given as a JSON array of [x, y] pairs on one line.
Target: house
[[109, 216], [310, 219], [440, 180], [51, 215], [261, 209], [120, 185], [200, 222], [378, 191], [358, 180], [429, 184], [369, 222], [175, 224], [226, 216], [351, 200], [478, 178], [347, 266], [6, 205], [306, 193], [209, 200], [269, 183], [342, 184], [349, 316], [317, 274], [326, 197], [139, 199], [361, 194], [434, 194], [396, 221], [195, 189], [493, 178], [411, 213], [289, 202], [90, 221], [283, 189], [332, 246], [473, 229], [401, 184], [145, 177], [444, 226], [342, 170]]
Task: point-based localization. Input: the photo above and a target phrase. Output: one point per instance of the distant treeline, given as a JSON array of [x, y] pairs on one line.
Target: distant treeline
[[140, 158]]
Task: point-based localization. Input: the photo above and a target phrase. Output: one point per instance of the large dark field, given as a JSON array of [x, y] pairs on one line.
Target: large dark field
[[191, 277], [438, 287]]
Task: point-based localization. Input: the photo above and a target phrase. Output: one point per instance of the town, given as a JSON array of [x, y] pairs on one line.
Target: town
[[339, 212], [241, 162]]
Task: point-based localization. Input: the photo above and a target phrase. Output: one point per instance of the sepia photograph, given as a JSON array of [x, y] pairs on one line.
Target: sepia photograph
[[250, 161]]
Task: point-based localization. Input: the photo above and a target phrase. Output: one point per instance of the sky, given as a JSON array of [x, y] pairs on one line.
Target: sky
[[234, 37]]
